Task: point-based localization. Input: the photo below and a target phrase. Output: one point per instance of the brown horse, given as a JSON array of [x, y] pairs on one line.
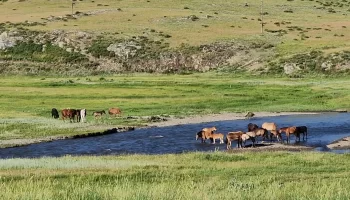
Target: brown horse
[[303, 130], [219, 136], [68, 113], [252, 127], [114, 112], [248, 136], [261, 132], [272, 127], [206, 133], [231, 136], [289, 131]]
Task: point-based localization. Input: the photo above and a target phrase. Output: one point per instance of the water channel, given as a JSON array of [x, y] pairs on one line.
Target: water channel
[[323, 129]]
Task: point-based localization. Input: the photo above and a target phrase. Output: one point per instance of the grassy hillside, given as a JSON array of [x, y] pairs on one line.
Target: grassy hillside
[[298, 25]]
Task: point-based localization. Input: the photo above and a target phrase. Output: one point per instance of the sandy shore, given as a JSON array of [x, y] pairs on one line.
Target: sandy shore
[[220, 117], [343, 143]]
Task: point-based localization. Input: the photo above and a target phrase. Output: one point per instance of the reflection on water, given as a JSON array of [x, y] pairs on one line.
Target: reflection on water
[[322, 129]]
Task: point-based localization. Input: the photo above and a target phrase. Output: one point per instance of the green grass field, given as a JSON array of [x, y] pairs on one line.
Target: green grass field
[[308, 25], [216, 175], [27, 101]]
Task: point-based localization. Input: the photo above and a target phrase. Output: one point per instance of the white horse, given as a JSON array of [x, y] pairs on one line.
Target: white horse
[[83, 115]]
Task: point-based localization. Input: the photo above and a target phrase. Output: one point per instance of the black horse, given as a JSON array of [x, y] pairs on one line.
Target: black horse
[[54, 113]]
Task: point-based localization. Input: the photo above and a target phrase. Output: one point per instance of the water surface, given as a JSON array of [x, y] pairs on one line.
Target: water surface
[[323, 129]]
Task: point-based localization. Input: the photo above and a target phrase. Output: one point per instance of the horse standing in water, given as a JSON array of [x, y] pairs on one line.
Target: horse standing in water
[[303, 130], [231, 136], [289, 131], [272, 127]]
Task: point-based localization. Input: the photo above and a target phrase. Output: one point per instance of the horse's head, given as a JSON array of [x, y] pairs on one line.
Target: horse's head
[[213, 129]]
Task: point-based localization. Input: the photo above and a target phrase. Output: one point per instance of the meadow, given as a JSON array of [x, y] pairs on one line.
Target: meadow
[[211, 175], [26, 102]]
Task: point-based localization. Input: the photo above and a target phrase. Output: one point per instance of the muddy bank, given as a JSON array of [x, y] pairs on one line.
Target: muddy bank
[[343, 143], [24, 142]]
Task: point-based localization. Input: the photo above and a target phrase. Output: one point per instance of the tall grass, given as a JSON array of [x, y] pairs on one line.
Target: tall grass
[[267, 175]]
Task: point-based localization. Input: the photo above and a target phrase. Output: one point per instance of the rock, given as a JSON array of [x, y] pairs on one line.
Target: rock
[[290, 68]]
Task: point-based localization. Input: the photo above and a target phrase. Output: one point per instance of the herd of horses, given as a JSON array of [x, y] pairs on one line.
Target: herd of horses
[[254, 132], [79, 115]]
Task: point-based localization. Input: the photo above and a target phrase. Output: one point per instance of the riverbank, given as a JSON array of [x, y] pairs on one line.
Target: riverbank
[[343, 143]]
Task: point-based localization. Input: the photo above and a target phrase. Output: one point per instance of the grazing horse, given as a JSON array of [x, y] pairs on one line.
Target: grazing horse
[[261, 132], [248, 136], [303, 130], [231, 136], [252, 127], [114, 111], [272, 127], [77, 114], [68, 113], [98, 114], [83, 115], [54, 113], [289, 131]]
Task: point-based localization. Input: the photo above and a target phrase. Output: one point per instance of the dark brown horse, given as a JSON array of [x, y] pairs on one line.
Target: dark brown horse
[[303, 130], [290, 130], [252, 127]]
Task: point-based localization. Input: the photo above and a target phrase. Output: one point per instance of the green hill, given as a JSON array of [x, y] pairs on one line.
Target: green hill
[[109, 36]]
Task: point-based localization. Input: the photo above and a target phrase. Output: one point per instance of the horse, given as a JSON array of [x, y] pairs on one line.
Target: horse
[[83, 115], [272, 127], [231, 136], [114, 111], [68, 113], [249, 115], [252, 126], [201, 135], [303, 130], [206, 132], [215, 136], [289, 131], [98, 114], [248, 136], [261, 132], [77, 114], [54, 113]]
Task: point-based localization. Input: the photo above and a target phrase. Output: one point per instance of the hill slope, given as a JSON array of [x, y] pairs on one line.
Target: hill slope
[[147, 34]]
